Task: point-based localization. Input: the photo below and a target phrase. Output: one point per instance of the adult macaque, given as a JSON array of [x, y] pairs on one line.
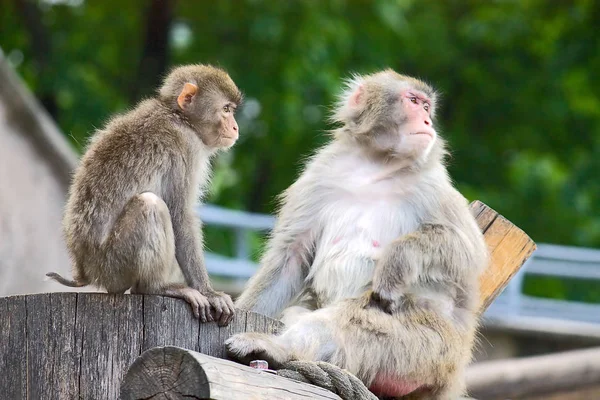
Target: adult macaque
[[374, 237], [130, 221]]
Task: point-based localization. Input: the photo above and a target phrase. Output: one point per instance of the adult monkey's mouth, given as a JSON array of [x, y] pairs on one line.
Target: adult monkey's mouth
[[423, 133]]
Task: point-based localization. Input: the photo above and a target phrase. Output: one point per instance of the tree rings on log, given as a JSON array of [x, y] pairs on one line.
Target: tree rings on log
[[175, 373]]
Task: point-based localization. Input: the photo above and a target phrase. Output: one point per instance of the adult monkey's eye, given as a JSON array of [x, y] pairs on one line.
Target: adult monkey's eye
[[227, 108], [426, 107], [413, 100]]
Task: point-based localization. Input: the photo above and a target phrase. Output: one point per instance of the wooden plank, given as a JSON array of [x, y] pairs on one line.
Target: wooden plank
[[13, 328], [181, 330], [211, 337], [176, 373], [538, 375], [51, 362], [509, 248], [507, 258], [483, 214], [109, 330], [496, 233]]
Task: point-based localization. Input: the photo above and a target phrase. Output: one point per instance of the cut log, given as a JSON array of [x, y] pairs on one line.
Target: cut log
[[79, 345], [175, 373], [532, 376]]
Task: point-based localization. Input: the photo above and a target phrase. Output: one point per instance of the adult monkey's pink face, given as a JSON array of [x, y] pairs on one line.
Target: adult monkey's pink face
[[418, 130], [390, 113]]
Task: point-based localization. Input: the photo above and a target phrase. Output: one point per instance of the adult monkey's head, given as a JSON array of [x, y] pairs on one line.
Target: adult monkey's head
[[392, 115]]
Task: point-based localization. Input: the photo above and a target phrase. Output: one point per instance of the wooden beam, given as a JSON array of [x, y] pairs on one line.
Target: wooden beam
[[538, 375], [509, 248], [176, 373]]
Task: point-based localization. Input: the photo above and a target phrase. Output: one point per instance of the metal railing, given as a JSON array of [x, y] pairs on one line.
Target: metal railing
[[565, 262], [240, 267], [512, 304]]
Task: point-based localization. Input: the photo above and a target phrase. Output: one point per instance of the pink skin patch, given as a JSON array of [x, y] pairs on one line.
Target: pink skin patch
[[376, 243], [416, 106], [336, 240], [392, 386]]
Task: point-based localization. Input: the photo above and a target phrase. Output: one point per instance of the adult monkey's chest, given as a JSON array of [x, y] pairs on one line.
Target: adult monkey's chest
[[363, 220], [355, 232]]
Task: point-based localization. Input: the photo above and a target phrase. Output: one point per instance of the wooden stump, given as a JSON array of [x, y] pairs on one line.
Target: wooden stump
[[79, 345], [176, 373]]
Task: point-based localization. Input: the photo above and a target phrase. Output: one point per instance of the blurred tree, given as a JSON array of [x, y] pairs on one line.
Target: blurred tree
[[153, 62], [519, 79], [41, 46]]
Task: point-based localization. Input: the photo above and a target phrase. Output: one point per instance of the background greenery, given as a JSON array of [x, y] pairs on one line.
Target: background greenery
[[520, 82]]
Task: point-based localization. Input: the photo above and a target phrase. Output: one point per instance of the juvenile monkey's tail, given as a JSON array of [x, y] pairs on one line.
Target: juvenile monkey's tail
[[74, 283]]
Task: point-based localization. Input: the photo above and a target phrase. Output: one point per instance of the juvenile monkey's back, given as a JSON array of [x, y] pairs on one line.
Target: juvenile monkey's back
[[122, 159]]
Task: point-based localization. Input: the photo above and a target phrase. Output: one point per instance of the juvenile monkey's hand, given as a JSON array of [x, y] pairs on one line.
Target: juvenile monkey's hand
[[199, 303], [222, 307]]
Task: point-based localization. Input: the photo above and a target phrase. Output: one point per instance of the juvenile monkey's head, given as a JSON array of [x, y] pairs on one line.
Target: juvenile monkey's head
[[207, 98], [391, 114]]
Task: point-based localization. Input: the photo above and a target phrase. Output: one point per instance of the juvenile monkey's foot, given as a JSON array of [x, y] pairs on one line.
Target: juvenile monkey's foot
[[222, 307], [246, 347]]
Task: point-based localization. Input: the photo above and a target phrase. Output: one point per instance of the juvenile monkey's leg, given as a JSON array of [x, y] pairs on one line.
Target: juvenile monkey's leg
[[140, 253], [310, 338]]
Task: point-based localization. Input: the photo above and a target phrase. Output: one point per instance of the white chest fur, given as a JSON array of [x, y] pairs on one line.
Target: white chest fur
[[366, 207]]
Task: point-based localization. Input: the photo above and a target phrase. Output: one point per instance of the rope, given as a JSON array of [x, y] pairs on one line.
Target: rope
[[327, 376]]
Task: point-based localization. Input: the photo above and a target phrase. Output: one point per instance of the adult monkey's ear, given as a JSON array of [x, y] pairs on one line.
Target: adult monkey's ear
[[187, 94], [356, 97]]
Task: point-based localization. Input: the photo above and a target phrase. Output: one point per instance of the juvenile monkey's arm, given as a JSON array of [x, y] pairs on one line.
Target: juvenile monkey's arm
[[189, 253], [186, 227], [188, 249], [287, 258]]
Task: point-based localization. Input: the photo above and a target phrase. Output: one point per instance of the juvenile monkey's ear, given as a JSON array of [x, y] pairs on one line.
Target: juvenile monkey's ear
[[187, 94]]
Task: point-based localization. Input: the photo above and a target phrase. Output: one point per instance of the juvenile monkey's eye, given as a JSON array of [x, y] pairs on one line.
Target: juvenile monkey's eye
[[227, 108], [426, 107], [413, 100]]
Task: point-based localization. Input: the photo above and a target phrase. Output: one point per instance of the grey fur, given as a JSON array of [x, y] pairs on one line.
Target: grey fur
[[375, 255], [130, 220]]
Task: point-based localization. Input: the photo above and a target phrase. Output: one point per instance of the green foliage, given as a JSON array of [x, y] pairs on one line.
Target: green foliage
[[519, 78], [581, 290]]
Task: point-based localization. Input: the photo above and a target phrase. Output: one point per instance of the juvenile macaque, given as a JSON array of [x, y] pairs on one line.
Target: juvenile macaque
[[374, 253], [130, 220]]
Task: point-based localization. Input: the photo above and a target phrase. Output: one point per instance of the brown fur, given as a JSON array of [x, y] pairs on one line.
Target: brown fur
[[130, 220], [375, 254]]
